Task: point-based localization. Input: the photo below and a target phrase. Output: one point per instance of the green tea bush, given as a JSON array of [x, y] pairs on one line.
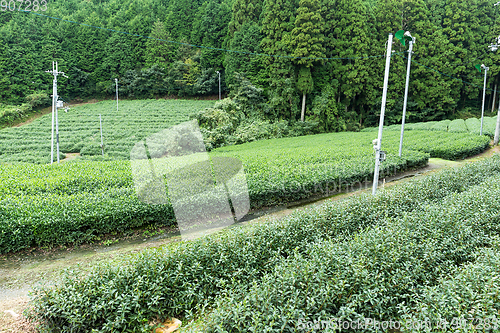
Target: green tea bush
[[424, 126], [451, 148], [52, 219], [469, 296], [489, 126], [370, 275], [458, 126], [441, 125], [277, 172], [474, 125], [79, 129], [183, 278]]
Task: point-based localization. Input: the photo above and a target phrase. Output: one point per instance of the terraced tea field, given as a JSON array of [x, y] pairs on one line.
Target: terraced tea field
[[79, 130]]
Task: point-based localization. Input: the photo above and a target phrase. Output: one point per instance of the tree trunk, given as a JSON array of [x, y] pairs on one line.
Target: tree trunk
[[303, 112], [494, 96]]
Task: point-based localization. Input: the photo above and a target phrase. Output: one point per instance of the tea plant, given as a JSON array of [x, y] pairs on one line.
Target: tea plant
[[393, 244]]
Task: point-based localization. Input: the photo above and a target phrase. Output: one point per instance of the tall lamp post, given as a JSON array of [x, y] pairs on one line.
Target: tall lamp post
[[493, 48], [484, 97], [377, 143], [219, 84], [410, 51]]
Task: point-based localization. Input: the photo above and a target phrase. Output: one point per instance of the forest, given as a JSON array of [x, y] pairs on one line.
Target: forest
[[273, 54]]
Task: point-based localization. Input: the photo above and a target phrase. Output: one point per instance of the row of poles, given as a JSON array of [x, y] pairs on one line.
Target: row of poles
[[377, 143], [56, 104]]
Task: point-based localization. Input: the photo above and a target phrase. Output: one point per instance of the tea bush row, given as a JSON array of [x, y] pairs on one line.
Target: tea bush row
[[79, 129], [470, 297], [371, 275], [277, 171], [471, 125], [180, 279]]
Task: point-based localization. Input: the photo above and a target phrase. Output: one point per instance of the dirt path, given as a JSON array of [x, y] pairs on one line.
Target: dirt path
[[19, 273]]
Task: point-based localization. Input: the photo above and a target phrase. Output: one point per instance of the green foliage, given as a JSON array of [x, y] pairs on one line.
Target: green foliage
[[11, 113], [159, 52], [79, 129], [468, 295], [326, 112], [38, 99], [406, 236], [368, 275], [458, 125], [305, 83]]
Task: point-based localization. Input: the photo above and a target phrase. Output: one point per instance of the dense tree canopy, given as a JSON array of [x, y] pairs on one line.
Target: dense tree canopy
[[343, 88]]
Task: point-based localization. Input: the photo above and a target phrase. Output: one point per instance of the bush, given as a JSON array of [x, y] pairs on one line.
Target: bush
[[470, 295], [458, 126], [11, 113], [38, 99], [370, 275], [182, 278], [441, 126]]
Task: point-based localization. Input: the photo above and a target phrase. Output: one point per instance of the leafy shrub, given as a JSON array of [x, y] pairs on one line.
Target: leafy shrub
[[458, 126], [469, 295], [38, 99], [408, 223], [474, 125], [369, 275], [441, 125], [11, 113]]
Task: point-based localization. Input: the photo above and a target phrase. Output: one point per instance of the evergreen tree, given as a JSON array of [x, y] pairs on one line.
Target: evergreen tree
[[306, 41], [159, 52]]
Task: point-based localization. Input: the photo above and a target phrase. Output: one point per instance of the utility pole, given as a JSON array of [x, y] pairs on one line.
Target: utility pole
[[55, 72], [116, 81], [410, 51], [484, 97], [377, 144], [219, 85], [493, 48]]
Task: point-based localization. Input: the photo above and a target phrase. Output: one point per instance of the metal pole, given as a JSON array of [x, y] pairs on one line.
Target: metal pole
[[382, 113], [116, 81], [497, 129], [410, 51], [54, 99], [55, 72], [219, 85], [57, 119], [102, 143], [484, 97]]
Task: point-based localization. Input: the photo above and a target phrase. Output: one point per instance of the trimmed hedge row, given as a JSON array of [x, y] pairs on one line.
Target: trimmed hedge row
[[371, 275], [180, 279], [471, 125], [470, 297], [277, 172], [52, 219]]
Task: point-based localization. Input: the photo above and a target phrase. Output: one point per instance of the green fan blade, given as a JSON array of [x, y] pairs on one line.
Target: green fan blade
[[478, 67]]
